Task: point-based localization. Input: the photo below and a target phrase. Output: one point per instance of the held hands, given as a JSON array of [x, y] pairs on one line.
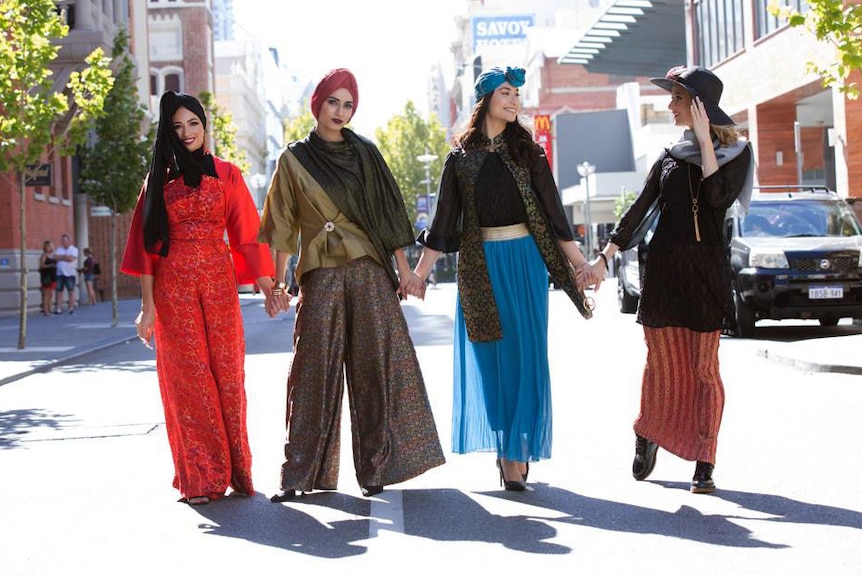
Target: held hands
[[591, 274], [409, 283], [276, 294]]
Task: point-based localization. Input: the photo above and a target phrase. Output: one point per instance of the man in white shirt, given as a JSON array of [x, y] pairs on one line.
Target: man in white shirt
[[67, 272]]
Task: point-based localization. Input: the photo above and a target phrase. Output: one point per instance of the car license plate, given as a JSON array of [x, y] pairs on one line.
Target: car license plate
[[825, 292]]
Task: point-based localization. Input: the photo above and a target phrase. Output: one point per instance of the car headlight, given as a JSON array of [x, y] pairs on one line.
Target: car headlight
[[769, 259]]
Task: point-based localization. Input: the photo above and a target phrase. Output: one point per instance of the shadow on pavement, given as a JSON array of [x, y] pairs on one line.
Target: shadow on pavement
[[437, 514], [450, 515], [16, 424], [287, 527], [686, 523], [783, 509]]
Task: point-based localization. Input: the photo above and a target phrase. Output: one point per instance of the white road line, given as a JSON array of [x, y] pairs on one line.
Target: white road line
[[387, 513]]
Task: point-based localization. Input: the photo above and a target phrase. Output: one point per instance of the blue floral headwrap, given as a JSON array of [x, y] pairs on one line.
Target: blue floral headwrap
[[489, 81]]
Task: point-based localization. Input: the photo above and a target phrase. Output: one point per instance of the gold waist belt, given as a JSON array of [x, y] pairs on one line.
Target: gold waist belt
[[499, 233]]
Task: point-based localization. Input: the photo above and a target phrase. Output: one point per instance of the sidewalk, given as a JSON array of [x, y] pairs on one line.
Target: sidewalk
[[58, 339]]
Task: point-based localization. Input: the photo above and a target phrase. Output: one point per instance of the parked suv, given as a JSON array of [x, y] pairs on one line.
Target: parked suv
[[629, 265], [797, 254]]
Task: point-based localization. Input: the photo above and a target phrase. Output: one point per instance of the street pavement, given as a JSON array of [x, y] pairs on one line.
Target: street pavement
[[85, 467], [58, 339]]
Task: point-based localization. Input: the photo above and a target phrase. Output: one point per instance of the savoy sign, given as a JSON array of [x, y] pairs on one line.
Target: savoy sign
[[500, 30]]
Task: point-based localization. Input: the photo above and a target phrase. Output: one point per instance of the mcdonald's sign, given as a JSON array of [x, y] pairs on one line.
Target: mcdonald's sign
[[542, 133]]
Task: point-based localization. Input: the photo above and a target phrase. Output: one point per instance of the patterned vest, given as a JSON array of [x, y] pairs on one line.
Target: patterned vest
[[474, 285]]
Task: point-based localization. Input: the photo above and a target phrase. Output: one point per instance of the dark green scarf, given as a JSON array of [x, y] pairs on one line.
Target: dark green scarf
[[356, 178], [474, 286]]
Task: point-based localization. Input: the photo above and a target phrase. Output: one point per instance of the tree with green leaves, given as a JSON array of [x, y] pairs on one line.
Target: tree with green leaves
[[224, 133], [298, 128], [37, 118], [839, 23], [405, 138], [120, 133], [622, 203]]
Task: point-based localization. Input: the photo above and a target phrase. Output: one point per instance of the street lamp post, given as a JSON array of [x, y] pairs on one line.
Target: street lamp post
[[258, 181], [586, 169], [426, 159]]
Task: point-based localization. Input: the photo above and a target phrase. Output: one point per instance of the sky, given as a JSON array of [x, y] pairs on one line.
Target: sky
[[389, 45]]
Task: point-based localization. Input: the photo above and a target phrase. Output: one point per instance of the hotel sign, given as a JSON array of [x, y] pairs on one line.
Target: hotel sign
[[490, 31]]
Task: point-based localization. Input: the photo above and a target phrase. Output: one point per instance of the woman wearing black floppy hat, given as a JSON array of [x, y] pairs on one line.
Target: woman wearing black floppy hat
[[686, 294]]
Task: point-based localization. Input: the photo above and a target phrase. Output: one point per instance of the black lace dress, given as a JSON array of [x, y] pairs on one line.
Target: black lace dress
[[686, 283]]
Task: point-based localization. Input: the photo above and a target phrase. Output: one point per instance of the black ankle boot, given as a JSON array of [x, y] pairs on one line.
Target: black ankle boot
[[702, 481], [645, 456]]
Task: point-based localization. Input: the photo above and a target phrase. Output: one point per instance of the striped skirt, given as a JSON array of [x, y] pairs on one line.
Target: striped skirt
[[682, 395]]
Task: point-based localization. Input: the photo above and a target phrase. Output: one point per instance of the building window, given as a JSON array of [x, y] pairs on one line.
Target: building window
[[66, 10], [766, 23], [168, 78], [718, 30], [166, 40], [172, 82]]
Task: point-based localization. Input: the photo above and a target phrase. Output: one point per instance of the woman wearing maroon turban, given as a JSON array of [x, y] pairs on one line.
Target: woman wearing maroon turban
[[189, 301], [334, 198]]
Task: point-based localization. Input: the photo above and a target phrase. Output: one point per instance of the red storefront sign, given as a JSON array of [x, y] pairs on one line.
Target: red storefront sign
[[542, 133]]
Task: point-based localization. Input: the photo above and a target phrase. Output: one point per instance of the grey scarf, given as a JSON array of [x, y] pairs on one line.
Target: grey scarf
[[688, 150]]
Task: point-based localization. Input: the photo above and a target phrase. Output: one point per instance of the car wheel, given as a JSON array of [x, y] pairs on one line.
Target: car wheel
[[829, 321], [626, 301], [745, 317]]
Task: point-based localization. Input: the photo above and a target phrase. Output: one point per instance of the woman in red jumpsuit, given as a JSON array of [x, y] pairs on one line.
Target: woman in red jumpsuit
[[189, 278]]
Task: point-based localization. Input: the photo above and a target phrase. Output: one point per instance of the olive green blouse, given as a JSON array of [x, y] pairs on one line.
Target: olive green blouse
[[298, 214]]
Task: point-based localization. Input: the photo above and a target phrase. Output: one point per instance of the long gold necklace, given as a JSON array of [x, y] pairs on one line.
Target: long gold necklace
[[694, 206]]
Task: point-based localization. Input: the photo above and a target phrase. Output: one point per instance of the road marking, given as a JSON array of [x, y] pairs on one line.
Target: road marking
[[387, 513]]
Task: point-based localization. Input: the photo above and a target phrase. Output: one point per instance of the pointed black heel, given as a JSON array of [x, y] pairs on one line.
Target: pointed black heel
[[510, 485]]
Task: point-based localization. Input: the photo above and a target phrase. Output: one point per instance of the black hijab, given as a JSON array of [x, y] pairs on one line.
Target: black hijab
[[170, 160]]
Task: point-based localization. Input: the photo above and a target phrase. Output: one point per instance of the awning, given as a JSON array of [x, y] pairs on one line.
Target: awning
[[633, 38]]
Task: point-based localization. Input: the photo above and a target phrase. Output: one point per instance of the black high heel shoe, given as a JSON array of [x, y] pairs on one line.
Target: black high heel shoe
[[371, 490], [510, 485], [286, 495]]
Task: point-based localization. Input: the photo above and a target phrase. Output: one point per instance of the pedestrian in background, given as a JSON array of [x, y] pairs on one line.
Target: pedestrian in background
[[89, 269], [190, 303], [47, 276], [334, 193], [498, 205], [67, 273], [686, 297]]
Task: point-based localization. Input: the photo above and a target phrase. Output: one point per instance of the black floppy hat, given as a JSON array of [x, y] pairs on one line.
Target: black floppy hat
[[700, 83]]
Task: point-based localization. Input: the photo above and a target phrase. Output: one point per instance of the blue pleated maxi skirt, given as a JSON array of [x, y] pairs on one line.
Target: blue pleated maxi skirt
[[502, 396]]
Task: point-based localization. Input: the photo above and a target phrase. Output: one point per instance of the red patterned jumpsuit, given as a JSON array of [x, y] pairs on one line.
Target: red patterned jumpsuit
[[200, 347]]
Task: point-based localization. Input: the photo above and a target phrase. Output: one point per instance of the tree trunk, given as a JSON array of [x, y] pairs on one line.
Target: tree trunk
[[113, 259], [22, 212]]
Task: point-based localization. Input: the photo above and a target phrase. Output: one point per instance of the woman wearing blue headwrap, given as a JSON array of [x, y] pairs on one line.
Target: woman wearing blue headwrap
[[498, 206]]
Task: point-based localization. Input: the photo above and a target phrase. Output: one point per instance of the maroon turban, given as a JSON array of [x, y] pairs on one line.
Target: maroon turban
[[334, 80]]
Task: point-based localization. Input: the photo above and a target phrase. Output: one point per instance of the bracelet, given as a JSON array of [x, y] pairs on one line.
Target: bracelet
[[278, 288], [604, 259]]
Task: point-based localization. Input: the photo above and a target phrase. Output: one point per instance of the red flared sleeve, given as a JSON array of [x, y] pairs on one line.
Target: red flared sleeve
[[251, 259], [137, 260]]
